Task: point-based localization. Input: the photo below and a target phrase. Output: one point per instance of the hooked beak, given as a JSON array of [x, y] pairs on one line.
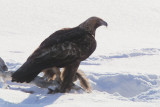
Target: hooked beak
[[104, 23]]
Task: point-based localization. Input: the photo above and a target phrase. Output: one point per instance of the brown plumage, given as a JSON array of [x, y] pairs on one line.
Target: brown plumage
[[65, 48]]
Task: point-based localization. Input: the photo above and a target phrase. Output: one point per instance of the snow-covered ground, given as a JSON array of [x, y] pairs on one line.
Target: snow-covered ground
[[124, 71]]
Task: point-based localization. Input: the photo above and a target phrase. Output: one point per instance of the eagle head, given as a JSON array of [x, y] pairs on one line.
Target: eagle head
[[91, 24]]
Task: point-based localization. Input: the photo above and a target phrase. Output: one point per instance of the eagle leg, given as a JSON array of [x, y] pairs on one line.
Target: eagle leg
[[68, 76]]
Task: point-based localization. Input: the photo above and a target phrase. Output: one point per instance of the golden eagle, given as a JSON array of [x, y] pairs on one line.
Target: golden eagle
[[65, 48]]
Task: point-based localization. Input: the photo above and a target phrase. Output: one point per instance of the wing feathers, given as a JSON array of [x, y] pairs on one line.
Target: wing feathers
[[59, 49]]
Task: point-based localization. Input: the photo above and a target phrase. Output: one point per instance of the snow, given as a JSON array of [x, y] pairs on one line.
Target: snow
[[123, 71]]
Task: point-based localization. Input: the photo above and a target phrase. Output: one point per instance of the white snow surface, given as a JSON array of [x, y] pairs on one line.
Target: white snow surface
[[124, 71]]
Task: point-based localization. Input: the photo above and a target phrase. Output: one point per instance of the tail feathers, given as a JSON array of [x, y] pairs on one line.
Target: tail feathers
[[26, 73], [83, 80]]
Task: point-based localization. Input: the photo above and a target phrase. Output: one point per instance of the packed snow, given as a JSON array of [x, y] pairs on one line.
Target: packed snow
[[124, 71]]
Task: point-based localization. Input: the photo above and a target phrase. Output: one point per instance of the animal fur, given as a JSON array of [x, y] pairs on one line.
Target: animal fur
[[55, 74], [3, 66], [52, 74], [65, 48], [3, 74]]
